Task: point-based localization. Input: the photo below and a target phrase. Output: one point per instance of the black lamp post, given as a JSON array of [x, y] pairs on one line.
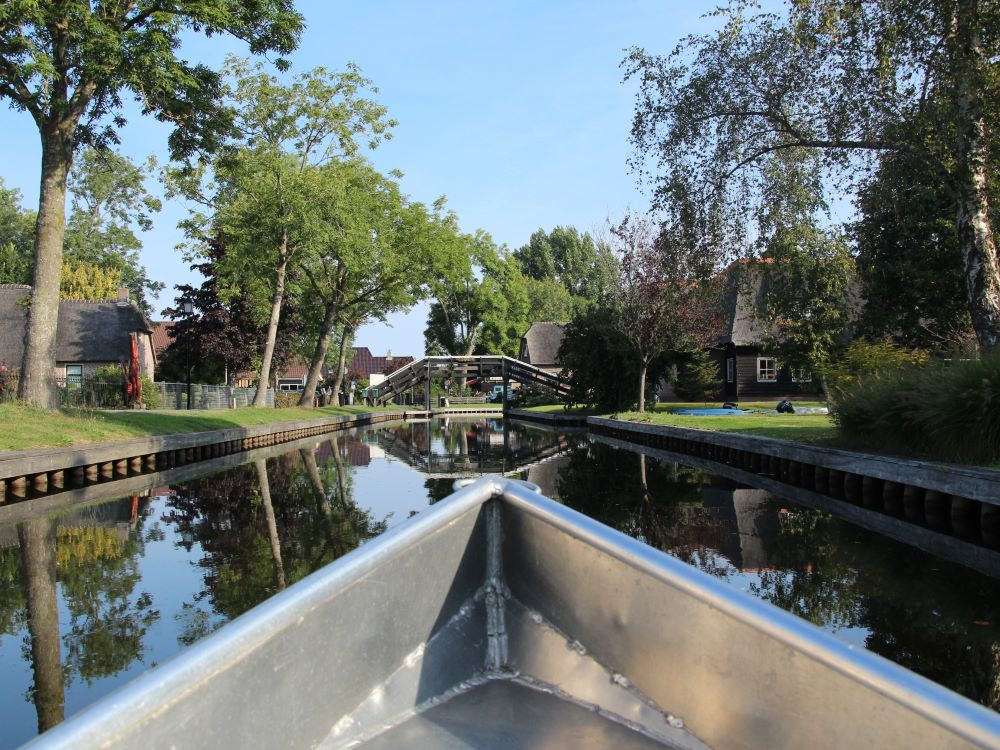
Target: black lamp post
[[188, 310]]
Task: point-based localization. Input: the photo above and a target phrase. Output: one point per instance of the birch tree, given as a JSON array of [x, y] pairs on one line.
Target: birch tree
[[845, 80]]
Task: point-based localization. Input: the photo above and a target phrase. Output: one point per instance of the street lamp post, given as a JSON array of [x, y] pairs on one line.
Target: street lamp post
[[188, 310]]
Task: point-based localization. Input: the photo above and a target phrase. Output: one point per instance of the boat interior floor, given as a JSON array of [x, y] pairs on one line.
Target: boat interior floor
[[504, 714]]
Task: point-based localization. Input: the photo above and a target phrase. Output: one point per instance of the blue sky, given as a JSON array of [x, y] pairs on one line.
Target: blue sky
[[514, 110]]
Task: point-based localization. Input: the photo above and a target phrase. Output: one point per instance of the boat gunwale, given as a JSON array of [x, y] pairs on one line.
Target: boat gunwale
[[935, 702]]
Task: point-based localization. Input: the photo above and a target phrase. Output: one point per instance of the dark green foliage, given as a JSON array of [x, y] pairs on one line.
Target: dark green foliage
[[945, 411], [698, 377], [601, 365], [909, 257]]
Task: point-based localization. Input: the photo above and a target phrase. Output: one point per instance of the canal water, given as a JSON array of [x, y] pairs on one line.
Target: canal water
[[91, 597]]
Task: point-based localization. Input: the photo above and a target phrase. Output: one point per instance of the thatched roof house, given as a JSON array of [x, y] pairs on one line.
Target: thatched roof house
[[540, 345], [89, 335]]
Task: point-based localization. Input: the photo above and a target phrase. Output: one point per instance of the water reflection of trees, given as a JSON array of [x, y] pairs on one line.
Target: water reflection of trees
[[931, 616], [264, 526], [630, 493], [96, 569]]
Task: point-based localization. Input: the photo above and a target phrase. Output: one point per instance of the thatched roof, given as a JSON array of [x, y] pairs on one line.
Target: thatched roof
[[540, 345], [87, 331]]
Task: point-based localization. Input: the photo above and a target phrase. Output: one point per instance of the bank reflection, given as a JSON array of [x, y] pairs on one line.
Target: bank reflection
[[261, 527]]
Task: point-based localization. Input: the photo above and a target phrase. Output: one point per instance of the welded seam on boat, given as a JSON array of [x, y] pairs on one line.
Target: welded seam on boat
[[918, 694], [495, 591]]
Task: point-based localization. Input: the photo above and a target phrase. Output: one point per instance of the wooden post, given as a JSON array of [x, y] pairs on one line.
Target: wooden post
[[427, 390]]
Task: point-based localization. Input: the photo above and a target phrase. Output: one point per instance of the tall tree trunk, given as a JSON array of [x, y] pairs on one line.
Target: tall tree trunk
[[338, 379], [319, 355], [642, 384], [36, 385], [272, 524], [312, 471], [341, 479], [38, 555], [470, 345], [975, 233], [260, 397]]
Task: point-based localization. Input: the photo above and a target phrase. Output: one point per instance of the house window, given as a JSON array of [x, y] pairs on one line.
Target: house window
[[767, 370], [730, 370], [801, 375], [74, 376], [289, 385]]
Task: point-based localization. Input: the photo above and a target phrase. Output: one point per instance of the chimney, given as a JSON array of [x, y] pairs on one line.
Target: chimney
[[122, 295], [388, 356]]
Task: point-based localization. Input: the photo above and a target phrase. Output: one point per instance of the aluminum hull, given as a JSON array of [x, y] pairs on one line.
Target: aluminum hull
[[500, 618]]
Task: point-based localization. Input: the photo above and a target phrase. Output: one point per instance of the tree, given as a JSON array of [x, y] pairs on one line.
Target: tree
[[583, 268], [224, 334], [109, 199], [596, 360], [697, 376], [846, 81], [909, 260], [805, 281], [263, 186], [87, 281], [664, 298], [371, 257], [17, 235], [68, 63], [485, 311]]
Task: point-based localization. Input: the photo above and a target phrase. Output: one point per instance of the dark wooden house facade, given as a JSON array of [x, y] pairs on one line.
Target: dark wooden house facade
[[745, 368]]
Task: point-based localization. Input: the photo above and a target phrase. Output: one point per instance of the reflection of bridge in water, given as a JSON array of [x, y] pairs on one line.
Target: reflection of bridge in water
[[449, 448]]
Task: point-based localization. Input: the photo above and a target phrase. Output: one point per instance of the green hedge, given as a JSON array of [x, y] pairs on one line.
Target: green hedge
[[947, 411]]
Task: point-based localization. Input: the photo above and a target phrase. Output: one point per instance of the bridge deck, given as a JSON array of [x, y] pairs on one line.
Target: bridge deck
[[481, 366]]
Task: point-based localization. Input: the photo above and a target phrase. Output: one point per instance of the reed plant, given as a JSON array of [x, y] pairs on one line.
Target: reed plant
[[947, 411]]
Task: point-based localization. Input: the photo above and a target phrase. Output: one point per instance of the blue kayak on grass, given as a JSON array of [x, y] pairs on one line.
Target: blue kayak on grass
[[711, 412]]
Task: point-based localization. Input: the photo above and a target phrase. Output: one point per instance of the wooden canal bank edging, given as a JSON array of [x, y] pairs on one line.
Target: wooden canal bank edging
[[964, 500], [35, 472]]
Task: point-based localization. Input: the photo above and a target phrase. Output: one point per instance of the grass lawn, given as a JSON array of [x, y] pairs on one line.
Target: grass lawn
[[24, 427], [808, 428]]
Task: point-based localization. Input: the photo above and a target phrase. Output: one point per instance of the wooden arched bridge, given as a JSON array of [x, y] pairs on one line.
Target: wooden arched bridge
[[484, 367]]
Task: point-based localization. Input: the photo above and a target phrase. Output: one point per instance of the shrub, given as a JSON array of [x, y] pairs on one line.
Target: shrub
[[8, 383], [862, 358], [697, 377], [286, 399], [946, 411], [150, 396]]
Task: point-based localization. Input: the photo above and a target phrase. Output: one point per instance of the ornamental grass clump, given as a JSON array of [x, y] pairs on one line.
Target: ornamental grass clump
[[948, 411]]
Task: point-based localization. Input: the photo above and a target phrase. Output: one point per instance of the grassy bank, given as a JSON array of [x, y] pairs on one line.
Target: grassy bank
[[23, 427], [807, 428]]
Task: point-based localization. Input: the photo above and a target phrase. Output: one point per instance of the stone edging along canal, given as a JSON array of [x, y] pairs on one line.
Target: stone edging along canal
[[35, 472]]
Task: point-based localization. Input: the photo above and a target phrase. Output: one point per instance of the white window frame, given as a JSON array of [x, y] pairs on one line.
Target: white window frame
[[289, 385], [801, 375], [76, 379], [730, 369], [773, 369]]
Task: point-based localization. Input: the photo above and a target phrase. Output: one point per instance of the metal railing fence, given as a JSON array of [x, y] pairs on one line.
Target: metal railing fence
[[95, 393], [175, 396]]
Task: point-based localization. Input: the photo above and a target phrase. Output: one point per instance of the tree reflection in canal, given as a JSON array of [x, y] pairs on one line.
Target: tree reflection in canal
[[263, 526], [89, 561]]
